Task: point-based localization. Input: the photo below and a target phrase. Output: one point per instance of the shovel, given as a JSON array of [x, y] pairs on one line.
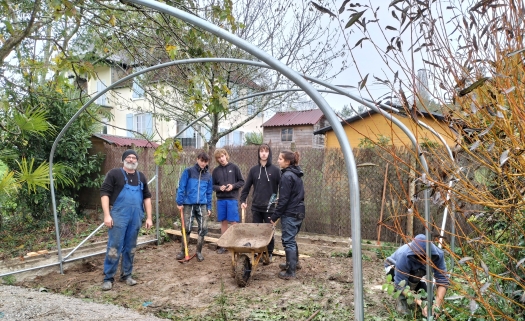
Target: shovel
[[186, 258]]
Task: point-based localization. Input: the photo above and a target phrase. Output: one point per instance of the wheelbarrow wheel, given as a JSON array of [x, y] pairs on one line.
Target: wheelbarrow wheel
[[243, 270]]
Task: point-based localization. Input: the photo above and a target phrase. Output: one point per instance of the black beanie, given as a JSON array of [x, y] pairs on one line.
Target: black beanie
[[129, 152]]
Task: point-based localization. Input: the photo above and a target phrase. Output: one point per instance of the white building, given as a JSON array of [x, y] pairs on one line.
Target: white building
[[133, 112]]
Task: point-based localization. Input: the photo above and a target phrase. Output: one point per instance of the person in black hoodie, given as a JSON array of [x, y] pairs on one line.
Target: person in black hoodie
[[227, 180], [290, 209], [265, 179]]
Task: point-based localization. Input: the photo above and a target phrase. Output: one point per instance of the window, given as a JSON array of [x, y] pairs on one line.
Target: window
[[190, 137], [102, 100], [104, 122], [287, 134], [141, 123], [238, 138], [137, 91]]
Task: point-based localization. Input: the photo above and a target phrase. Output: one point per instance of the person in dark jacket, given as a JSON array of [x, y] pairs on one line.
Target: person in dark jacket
[[265, 179], [124, 196], [290, 209], [194, 199], [227, 180], [407, 265]]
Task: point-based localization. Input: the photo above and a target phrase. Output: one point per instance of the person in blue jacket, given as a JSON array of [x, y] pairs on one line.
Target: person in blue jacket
[[407, 266], [194, 199]]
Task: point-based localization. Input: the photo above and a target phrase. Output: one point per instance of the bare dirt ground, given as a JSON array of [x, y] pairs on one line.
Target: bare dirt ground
[[206, 291]]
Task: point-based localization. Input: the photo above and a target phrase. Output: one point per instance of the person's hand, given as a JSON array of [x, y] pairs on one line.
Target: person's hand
[[180, 207], [223, 188], [272, 222], [209, 212], [149, 223], [229, 187], [243, 205], [424, 311], [108, 221]]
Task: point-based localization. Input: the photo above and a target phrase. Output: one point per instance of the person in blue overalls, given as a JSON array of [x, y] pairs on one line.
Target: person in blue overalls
[[124, 196]]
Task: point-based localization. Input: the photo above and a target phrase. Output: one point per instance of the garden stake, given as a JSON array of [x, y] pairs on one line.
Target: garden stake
[[186, 258]]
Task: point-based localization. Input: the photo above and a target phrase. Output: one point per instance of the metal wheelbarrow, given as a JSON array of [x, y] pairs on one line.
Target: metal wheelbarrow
[[247, 243]]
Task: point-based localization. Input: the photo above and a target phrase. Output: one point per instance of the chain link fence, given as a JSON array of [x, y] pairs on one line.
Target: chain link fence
[[326, 189]]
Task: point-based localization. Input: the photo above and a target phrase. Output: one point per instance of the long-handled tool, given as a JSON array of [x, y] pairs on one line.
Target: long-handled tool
[[186, 258]]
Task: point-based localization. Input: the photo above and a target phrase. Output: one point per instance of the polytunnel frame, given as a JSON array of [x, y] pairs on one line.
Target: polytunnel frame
[[321, 103], [335, 89], [356, 246]]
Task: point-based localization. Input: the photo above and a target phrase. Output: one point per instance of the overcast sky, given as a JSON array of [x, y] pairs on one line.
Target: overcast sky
[[367, 59]]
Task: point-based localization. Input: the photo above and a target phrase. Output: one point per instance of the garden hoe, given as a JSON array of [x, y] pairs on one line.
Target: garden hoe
[[186, 258]]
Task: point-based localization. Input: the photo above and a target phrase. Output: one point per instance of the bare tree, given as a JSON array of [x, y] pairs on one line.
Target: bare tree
[[289, 31]]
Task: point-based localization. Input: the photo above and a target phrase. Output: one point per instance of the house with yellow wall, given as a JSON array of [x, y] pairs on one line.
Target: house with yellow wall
[[380, 129]]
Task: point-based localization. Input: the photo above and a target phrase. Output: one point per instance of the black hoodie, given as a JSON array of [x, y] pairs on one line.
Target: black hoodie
[[265, 181], [291, 193]]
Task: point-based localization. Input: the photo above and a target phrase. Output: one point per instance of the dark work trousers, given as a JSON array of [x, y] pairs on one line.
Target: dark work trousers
[[264, 217], [200, 214]]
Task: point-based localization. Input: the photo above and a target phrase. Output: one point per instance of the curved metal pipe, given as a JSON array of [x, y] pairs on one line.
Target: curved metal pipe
[[269, 92], [422, 159], [290, 74]]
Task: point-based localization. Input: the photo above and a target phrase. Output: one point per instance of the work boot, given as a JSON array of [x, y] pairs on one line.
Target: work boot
[[106, 286], [283, 266], [181, 254], [200, 242], [129, 281], [401, 305], [291, 257]]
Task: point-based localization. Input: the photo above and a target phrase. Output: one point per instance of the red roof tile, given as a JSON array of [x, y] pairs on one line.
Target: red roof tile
[[126, 141], [294, 118]]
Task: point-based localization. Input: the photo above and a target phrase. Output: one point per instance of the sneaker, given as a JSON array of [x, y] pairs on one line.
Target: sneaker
[[200, 257], [130, 281], [107, 285], [180, 256], [221, 250]]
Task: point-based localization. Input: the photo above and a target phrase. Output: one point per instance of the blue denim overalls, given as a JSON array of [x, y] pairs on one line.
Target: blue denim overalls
[[127, 214]]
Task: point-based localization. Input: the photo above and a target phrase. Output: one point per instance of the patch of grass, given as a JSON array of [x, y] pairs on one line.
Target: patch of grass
[[9, 279], [20, 235], [341, 254]]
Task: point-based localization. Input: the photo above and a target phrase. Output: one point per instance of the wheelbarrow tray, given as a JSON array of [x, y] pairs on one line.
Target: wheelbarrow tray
[[247, 237]]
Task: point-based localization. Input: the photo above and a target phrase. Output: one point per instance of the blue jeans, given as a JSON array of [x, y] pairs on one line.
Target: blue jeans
[[290, 227]]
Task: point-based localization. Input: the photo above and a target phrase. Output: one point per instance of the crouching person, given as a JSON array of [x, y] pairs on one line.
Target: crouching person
[[290, 209], [126, 190], [407, 266], [194, 199]]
